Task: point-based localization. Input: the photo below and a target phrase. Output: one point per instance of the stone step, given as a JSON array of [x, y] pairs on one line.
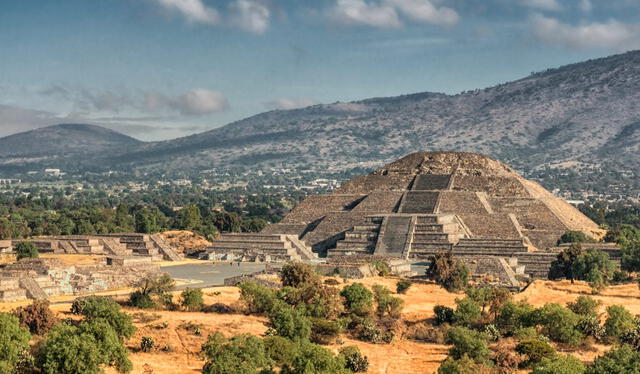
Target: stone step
[[251, 244], [435, 246], [370, 236], [250, 237], [375, 228], [431, 237], [354, 244], [424, 220]]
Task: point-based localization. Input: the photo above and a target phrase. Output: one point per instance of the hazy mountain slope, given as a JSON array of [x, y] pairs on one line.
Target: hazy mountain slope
[[63, 139], [587, 112]]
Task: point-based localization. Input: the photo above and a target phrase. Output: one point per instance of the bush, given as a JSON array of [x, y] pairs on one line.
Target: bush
[[14, 341], [358, 299], [630, 255], [382, 268], [584, 306], [104, 308], [295, 274], [506, 359], [463, 365], [69, 349], [448, 272], [387, 305], [467, 342], [562, 266], [280, 350], [192, 299], [559, 364], [312, 358], [559, 324], [467, 312], [324, 331], [257, 298], [426, 333], [142, 301], [290, 323], [618, 321], [575, 237], [403, 286], [354, 360], [590, 326], [370, 332], [443, 314], [37, 317], [514, 316], [632, 337], [535, 350], [622, 360], [240, 354], [146, 344], [26, 250], [594, 267]]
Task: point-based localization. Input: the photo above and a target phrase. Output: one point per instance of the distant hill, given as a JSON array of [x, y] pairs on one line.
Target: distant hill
[[582, 119], [62, 141]]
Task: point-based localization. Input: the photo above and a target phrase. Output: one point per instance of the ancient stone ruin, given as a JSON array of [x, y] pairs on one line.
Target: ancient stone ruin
[[424, 203]]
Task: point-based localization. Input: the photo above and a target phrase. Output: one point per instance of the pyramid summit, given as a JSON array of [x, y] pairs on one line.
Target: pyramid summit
[[432, 201]]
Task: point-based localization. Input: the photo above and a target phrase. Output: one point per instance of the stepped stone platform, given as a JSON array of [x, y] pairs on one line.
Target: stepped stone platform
[[46, 278], [259, 248], [434, 201]]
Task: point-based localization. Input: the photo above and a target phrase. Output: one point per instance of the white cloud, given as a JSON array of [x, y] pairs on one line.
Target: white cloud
[[425, 11], [610, 35], [193, 10], [250, 15], [386, 13], [542, 4], [289, 103], [585, 5], [354, 12]]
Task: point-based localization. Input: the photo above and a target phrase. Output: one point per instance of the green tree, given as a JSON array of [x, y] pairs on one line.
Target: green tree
[[358, 299], [621, 360], [448, 272], [240, 354], [630, 255], [26, 250], [290, 323], [387, 305], [295, 274], [584, 306], [559, 323], [562, 267], [192, 299], [311, 358], [618, 321], [575, 237], [594, 267], [467, 342], [467, 312], [514, 316], [257, 298], [559, 364], [535, 350], [103, 308], [189, 218], [14, 343]]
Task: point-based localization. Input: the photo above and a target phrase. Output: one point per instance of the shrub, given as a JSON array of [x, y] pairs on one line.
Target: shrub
[[331, 282], [514, 316], [505, 358], [562, 266], [281, 350], [448, 272], [467, 312], [354, 359], [584, 306], [463, 365], [26, 250], [324, 331], [424, 332], [312, 358], [559, 364], [99, 307], [147, 343], [257, 298], [142, 301], [387, 305], [559, 324], [290, 323], [14, 341], [69, 349], [370, 332], [618, 321], [154, 284], [575, 237], [590, 326], [443, 314], [37, 317], [403, 286], [358, 299], [526, 333], [467, 342], [219, 308], [622, 360], [594, 267], [192, 299], [535, 350], [382, 268], [240, 354], [295, 274]]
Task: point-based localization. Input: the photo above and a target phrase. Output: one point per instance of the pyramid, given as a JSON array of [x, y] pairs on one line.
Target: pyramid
[[432, 201]]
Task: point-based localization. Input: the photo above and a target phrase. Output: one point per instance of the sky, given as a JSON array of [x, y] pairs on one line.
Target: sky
[[160, 69]]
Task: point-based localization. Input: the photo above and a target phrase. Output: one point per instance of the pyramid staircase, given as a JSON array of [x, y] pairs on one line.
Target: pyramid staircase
[[433, 233], [361, 239], [167, 251]]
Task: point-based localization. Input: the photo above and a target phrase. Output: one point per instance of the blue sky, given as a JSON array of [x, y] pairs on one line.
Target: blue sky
[[158, 69]]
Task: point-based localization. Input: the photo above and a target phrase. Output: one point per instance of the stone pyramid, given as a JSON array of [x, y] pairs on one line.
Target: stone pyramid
[[432, 201]]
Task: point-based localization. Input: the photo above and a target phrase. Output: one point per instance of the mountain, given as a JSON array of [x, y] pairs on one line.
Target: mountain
[[582, 115], [580, 120], [61, 141]]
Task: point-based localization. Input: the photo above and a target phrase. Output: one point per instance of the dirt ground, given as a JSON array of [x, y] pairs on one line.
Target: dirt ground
[[186, 241], [177, 344]]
